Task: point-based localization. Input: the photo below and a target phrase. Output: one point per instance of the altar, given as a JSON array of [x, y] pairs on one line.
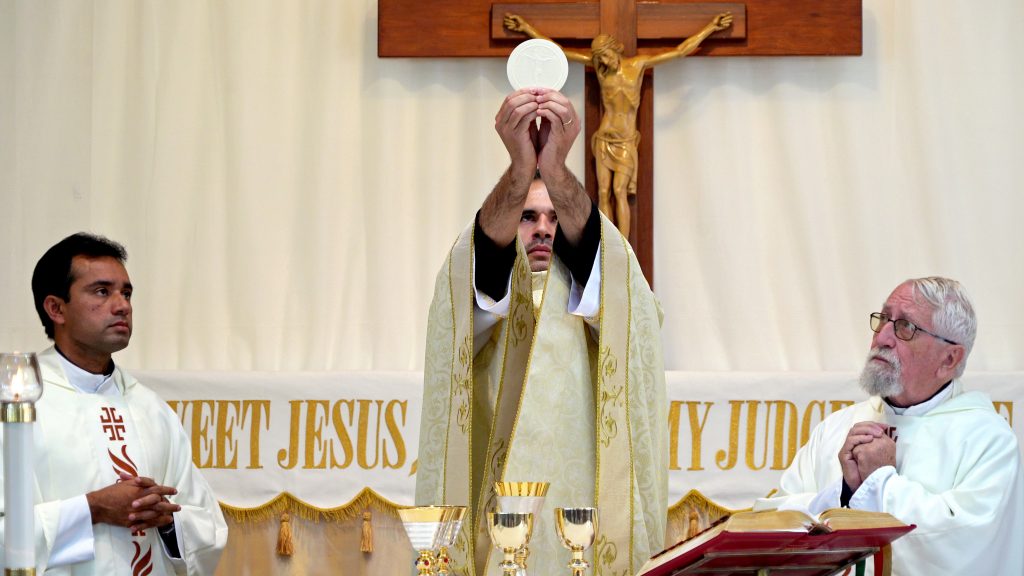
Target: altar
[[337, 451]]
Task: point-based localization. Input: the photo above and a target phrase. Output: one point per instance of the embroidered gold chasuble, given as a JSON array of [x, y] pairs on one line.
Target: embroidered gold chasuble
[[548, 399]]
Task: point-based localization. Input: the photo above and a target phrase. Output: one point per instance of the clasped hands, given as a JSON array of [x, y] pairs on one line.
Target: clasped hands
[[868, 447], [531, 146], [134, 502]]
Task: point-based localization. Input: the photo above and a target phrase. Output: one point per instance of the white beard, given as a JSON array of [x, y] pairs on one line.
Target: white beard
[[880, 379]]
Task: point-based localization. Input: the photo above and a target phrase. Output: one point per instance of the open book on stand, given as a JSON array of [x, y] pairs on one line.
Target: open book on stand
[[746, 542]]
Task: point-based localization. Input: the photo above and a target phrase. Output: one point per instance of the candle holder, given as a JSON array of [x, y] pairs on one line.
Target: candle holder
[[21, 385]]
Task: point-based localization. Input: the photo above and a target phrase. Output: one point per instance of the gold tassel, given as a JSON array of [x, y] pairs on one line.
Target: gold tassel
[[284, 537], [366, 544], [694, 526]]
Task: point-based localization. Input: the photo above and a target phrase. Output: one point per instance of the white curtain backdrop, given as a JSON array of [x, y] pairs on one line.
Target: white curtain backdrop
[[286, 197]]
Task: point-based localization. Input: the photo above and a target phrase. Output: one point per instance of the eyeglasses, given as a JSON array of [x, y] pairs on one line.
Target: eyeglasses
[[903, 329]]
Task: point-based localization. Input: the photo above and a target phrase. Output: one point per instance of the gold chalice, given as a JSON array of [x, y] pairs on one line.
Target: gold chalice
[[450, 526], [423, 525], [521, 497], [576, 528], [509, 532]]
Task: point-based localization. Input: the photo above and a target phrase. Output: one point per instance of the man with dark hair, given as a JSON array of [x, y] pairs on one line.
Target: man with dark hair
[[544, 359], [921, 448], [53, 273], [117, 491]]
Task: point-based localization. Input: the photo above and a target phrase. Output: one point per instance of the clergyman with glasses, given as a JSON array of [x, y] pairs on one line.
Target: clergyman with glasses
[[921, 448]]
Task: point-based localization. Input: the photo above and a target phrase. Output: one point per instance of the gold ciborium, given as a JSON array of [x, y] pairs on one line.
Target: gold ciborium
[[451, 523], [576, 528], [423, 525], [521, 497], [509, 532]]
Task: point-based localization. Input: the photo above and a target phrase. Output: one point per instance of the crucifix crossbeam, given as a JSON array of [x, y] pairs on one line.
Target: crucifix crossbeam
[[474, 28], [578, 23]]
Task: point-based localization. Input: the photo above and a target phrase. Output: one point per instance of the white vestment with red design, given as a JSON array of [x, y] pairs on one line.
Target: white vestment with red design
[[83, 440], [958, 478]]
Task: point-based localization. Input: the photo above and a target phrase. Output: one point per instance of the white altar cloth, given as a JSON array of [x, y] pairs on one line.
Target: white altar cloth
[[324, 437]]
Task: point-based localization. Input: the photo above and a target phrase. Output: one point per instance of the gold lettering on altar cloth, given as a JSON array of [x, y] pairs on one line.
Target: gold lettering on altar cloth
[[746, 434], [329, 430], [696, 430], [750, 434], [215, 425], [314, 435], [756, 435]]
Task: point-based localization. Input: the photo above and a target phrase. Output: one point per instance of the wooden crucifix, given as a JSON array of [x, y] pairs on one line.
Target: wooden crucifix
[[463, 28]]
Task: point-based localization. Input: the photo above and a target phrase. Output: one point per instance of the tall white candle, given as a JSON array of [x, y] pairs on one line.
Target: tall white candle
[[19, 521], [21, 385]]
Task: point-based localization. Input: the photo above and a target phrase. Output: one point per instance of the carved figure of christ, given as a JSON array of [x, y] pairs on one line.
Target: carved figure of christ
[[459, 28]]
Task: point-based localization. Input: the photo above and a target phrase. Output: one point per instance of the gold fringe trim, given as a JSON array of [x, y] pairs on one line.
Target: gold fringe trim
[[694, 500], [368, 500], [286, 502], [692, 514]]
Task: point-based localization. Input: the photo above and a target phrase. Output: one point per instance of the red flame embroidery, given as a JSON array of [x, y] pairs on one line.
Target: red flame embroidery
[[142, 564], [127, 465]]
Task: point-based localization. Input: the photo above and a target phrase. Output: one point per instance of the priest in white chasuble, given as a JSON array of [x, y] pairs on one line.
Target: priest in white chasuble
[[922, 448], [543, 360], [116, 492]]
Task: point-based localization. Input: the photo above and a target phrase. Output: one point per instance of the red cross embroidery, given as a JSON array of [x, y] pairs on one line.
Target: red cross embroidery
[[113, 424]]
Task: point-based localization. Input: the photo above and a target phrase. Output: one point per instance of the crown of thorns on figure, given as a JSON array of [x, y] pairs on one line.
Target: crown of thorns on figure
[[603, 43]]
